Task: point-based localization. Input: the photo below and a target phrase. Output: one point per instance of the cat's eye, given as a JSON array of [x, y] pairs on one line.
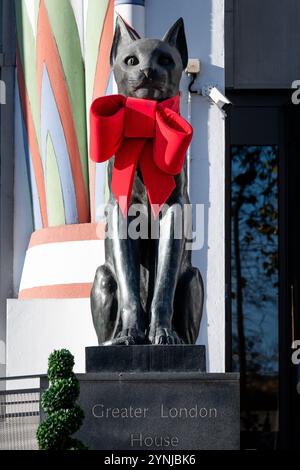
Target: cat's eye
[[165, 60], [131, 60]]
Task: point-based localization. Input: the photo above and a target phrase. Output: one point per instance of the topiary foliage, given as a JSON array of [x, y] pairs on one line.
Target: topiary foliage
[[59, 402]]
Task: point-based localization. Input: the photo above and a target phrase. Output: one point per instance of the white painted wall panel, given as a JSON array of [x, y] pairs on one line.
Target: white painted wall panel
[[36, 327], [63, 263]]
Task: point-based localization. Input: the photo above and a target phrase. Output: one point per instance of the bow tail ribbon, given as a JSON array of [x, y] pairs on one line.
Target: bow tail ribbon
[[125, 164], [159, 184]]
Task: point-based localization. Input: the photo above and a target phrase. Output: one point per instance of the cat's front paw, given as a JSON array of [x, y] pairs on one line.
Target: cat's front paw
[[159, 335], [127, 337]]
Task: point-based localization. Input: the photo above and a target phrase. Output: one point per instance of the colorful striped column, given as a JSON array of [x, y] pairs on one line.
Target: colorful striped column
[[63, 51], [62, 64]]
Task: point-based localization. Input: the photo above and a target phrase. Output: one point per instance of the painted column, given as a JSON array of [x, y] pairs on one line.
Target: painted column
[[51, 110], [63, 51], [62, 64]]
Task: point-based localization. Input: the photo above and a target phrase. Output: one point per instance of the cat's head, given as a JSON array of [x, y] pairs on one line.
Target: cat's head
[[148, 68]]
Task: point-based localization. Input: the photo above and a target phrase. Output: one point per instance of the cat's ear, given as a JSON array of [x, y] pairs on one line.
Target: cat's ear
[[176, 37], [124, 34]]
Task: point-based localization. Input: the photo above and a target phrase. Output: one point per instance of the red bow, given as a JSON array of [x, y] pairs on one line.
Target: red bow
[[140, 131]]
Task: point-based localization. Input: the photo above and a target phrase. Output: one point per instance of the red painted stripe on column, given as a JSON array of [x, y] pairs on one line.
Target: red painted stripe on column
[[68, 233], [59, 291]]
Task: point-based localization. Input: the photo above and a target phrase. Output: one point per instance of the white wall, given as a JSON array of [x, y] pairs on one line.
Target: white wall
[[204, 24], [36, 327]]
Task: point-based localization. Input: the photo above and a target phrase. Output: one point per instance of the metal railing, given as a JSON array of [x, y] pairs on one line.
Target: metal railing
[[19, 412]]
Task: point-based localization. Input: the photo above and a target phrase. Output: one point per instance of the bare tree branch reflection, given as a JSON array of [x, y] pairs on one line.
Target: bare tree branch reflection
[[254, 294]]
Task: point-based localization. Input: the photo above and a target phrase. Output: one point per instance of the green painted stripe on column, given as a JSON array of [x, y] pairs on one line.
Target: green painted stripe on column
[[55, 204], [65, 31], [27, 46]]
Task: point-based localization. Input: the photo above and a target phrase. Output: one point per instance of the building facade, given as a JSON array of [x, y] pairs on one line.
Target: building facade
[[244, 172]]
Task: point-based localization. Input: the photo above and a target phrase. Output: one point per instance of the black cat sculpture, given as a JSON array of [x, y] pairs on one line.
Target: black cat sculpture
[[148, 292]]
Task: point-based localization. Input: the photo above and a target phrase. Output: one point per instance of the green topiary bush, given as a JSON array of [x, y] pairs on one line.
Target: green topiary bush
[[59, 402]]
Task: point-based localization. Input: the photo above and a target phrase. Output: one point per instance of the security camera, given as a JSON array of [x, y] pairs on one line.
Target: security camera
[[217, 98]]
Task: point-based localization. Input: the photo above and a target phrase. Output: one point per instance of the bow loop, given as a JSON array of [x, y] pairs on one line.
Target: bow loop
[[106, 127], [172, 137]]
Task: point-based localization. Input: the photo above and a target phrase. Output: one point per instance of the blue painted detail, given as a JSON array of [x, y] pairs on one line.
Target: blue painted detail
[[130, 2], [23, 157], [50, 122], [110, 83]]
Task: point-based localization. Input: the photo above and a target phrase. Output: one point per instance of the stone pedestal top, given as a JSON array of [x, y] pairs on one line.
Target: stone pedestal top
[[146, 358]]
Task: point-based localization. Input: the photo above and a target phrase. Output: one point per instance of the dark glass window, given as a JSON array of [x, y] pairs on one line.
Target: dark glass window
[[254, 289]]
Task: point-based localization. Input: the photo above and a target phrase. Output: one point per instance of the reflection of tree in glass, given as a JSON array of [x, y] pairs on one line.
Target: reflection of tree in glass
[[255, 257]]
